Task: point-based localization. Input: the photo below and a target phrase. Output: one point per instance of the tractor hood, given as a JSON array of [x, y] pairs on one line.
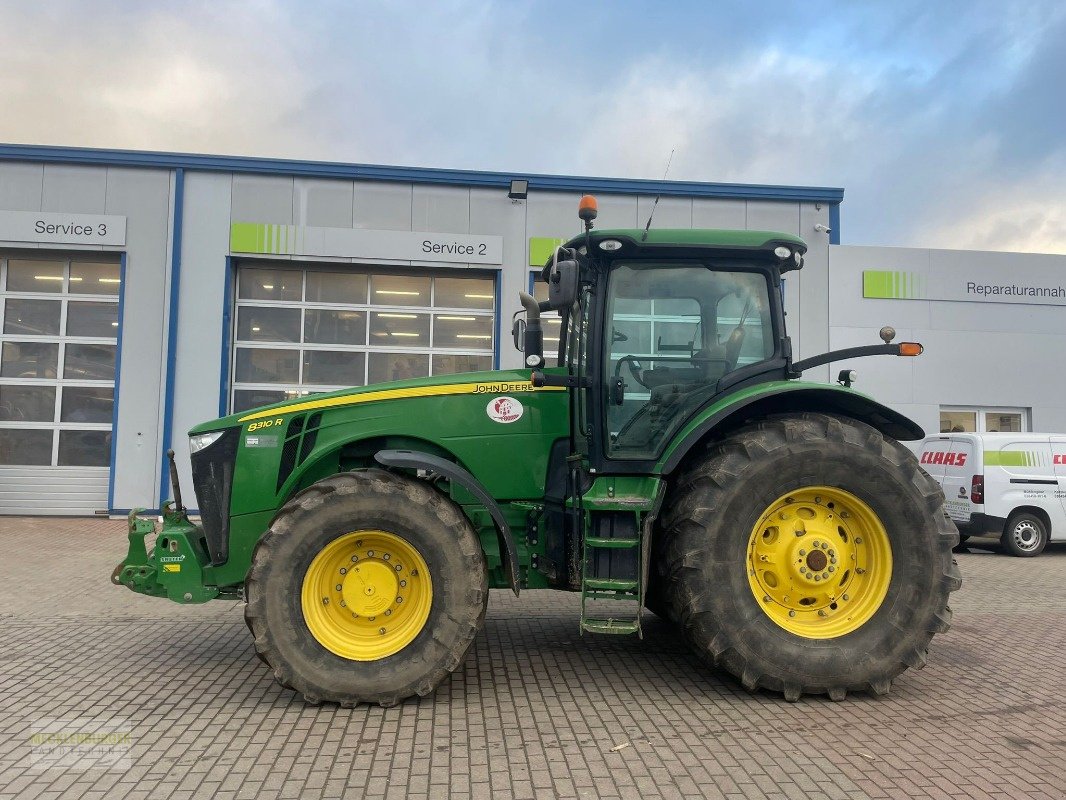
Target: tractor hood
[[497, 382]]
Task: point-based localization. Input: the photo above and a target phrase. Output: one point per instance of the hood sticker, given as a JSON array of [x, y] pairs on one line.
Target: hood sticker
[[504, 409]]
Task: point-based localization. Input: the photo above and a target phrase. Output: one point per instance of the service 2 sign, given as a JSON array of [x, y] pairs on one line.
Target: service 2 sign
[[297, 240], [52, 228]]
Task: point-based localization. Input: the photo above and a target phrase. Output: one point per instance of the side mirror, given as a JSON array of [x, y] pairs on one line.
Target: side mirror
[[563, 281], [533, 345], [518, 331]]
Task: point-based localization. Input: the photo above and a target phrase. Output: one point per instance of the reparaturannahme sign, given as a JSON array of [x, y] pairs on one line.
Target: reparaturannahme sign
[[977, 288], [297, 240]]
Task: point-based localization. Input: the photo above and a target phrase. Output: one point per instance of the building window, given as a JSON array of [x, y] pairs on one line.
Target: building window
[[975, 419], [301, 331], [58, 342]]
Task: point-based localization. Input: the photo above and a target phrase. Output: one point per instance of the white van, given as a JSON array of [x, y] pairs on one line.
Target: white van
[[1011, 485]]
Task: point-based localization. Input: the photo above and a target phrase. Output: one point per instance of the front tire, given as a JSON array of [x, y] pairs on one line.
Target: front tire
[[729, 556], [1025, 536], [368, 588]]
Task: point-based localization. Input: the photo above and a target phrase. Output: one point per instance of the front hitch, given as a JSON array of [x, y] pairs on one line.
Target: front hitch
[[174, 568]]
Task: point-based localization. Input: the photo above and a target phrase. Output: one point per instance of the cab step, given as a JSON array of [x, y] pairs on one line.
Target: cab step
[[612, 626], [611, 584], [597, 541]]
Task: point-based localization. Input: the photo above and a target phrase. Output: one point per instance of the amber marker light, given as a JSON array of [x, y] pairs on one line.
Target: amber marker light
[[910, 349], [588, 208]]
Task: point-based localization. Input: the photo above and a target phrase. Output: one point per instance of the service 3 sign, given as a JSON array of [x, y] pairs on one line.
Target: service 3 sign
[[52, 228]]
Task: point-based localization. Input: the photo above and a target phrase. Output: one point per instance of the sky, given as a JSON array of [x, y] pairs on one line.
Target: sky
[[944, 121]]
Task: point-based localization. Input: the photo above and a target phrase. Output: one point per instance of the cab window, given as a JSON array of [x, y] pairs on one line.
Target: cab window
[[673, 332]]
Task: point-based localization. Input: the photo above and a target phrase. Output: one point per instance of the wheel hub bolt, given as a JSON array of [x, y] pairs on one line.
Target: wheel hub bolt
[[792, 613], [817, 577], [388, 612], [381, 631], [403, 583], [860, 571], [803, 552], [858, 540], [821, 612], [825, 546], [846, 597], [399, 599], [386, 556], [814, 543], [339, 587], [825, 576], [354, 559], [369, 553], [832, 568], [766, 598], [344, 570], [398, 567]]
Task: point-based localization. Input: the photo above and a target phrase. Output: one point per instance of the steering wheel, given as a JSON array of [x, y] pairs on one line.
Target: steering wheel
[[635, 369]]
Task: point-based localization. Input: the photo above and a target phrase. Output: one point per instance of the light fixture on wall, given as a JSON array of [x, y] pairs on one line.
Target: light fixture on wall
[[519, 189]]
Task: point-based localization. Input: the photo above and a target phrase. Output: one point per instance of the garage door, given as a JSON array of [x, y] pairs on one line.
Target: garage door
[[59, 323], [299, 331]]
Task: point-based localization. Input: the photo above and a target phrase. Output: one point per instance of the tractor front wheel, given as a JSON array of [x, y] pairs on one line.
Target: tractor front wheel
[[368, 587], [808, 554]]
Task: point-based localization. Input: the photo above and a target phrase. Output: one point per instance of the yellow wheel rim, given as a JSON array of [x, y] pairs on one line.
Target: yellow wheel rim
[[819, 562], [367, 595]]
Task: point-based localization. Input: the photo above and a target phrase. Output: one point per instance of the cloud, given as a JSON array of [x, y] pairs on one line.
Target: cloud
[[942, 121]]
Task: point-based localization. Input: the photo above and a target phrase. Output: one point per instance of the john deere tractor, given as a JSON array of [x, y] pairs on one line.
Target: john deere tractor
[[671, 460]]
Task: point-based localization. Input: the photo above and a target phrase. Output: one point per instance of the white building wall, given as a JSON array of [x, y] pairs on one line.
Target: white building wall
[[143, 196], [979, 352]]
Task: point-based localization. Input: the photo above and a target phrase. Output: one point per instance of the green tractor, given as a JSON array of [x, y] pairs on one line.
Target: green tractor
[[670, 461]]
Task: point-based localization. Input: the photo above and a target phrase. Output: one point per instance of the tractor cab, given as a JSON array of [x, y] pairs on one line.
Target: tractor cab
[[657, 324]]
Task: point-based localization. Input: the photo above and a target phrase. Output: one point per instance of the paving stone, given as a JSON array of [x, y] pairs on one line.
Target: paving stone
[[535, 709]]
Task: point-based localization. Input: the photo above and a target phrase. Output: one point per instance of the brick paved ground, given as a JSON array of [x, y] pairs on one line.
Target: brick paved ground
[[536, 710]]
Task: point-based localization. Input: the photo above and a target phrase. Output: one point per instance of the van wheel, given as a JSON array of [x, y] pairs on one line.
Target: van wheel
[[1025, 535]]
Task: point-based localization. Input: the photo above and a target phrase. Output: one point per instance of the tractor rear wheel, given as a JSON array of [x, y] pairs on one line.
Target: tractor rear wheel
[[368, 588], [808, 554]]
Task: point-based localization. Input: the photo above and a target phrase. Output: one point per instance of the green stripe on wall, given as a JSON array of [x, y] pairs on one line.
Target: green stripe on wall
[[886, 284], [244, 237], [541, 249]]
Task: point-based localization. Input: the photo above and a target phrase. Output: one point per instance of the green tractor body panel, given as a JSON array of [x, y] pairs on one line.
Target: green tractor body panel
[[278, 450]]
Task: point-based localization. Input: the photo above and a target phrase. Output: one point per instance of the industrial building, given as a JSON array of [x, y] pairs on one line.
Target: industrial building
[[142, 293]]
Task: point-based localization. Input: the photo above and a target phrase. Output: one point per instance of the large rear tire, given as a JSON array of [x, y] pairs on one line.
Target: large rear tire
[[368, 588], [755, 523]]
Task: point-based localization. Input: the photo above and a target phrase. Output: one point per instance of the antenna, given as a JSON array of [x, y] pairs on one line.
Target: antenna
[[656, 203]]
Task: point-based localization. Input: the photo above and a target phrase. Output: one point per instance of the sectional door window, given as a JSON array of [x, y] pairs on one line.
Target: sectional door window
[[58, 341], [304, 330]]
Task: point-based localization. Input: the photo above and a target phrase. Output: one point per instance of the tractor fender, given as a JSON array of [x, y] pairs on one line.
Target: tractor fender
[[411, 459], [785, 399]]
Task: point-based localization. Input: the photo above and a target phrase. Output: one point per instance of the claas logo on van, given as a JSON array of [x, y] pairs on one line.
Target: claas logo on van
[[940, 457]]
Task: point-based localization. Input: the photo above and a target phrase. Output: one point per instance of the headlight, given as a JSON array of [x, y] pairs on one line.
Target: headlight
[[202, 440]]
